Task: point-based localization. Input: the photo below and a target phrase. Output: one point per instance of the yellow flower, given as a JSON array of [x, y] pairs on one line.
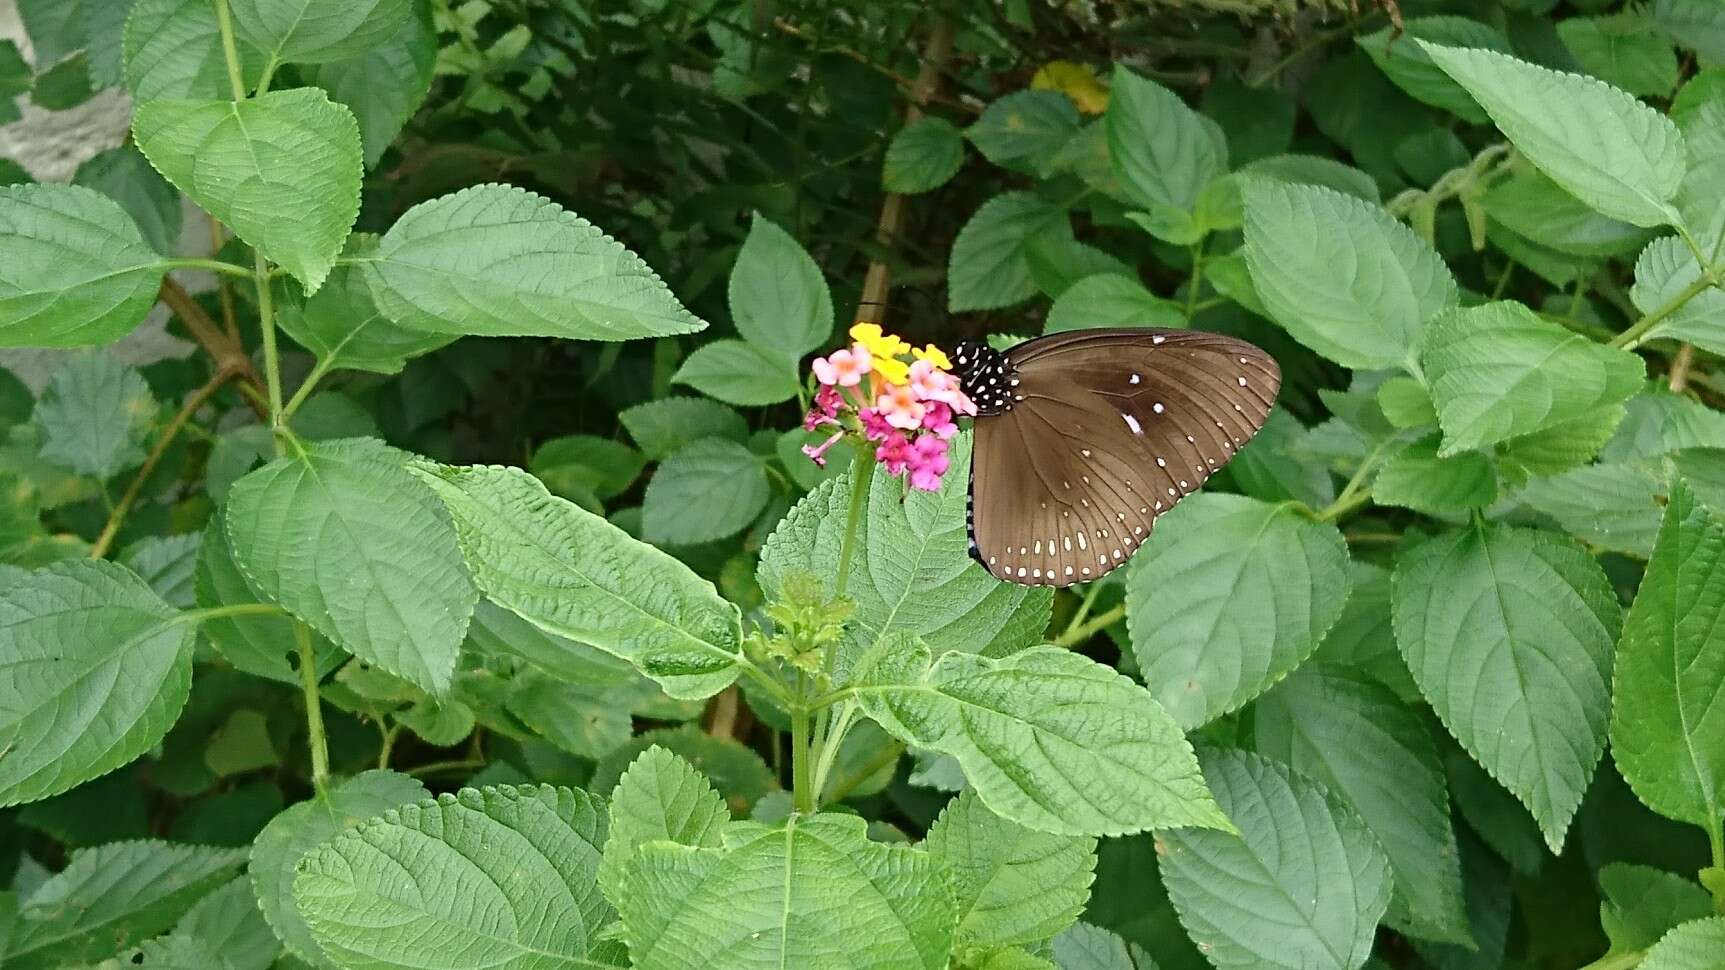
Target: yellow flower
[[877, 343], [894, 370], [1076, 81], [933, 355]]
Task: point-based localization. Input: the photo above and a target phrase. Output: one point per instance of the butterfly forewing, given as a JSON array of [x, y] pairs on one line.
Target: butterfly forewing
[[1108, 429]]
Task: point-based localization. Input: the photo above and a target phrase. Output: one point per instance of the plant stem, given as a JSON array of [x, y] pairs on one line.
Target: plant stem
[[1078, 634], [802, 787], [224, 349], [313, 709], [222, 612], [830, 747], [1629, 338], [1680, 368], [439, 767], [1090, 593], [305, 388], [389, 732], [169, 433], [267, 324], [225, 23], [861, 480], [224, 292], [1352, 496], [213, 265], [1197, 281]]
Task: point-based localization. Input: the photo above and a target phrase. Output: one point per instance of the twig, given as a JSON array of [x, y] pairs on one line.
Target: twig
[[1680, 368], [225, 351], [223, 290], [722, 713], [872, 306], [118, 515]]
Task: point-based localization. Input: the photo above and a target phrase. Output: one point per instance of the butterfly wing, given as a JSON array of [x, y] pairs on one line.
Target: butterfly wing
[[1108, 430]]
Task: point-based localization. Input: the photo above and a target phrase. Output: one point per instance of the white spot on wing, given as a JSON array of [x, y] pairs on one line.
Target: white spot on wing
[[1132, 422]]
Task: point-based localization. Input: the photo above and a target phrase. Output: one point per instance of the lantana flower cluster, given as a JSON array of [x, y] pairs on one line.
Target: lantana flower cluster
[[902, 399]]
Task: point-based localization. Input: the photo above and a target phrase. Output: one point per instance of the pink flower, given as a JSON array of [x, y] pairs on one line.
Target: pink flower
[[817, 453], [933, 384], [874, 425], [894, 453], [901, 407], [928, 462], [938, 418], [845, 368], [828, 400]]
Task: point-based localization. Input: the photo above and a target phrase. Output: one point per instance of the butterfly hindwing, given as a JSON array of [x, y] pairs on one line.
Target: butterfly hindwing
[[1107, 430]]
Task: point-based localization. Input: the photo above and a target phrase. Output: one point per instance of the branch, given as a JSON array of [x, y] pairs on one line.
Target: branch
[[225, 351]]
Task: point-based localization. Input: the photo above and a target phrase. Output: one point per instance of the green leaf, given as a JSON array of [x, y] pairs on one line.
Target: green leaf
[[1535, 616], [1609, 506], [1497, 371], [1314, 170], [94, 415], [1363, 638], [1228, 595], [386, 84], [229, 922], [914, 573], [1603, 146], [112, 896], [1664, 270], [167, 564], [345, 539], [124, 175], [1560, 447], [1668, 712], [1416, 477], [482, 878], [73, 268], [661, 427], [1057, 263], [499, 633], [599, 466], [1082, 946], [290, 836], [738, 773], [1165, 152], [779, 300], [281, 170], [1641, 904], [1302, 886], [586, 722], [1404, 61], [1025, 130], [1341, 274], [343, 327], [499, 261], [661, 798], [1014, 886], [1111, 300], [1406, 402], [988, 269], [1659, 423], [97, 669], [573, 574], [1539, 210], [173, 49], [1694, 945], [709, 489], [1049, 739], [740, 373], [1622, 51], [1360, 741], [312, 31], [258, 645], [790, 896], [923, 156]]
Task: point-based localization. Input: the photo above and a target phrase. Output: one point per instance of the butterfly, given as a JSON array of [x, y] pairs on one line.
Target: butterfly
[[1083, 439]]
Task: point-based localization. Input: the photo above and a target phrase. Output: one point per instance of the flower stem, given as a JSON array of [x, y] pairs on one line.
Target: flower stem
[[313, 709], [861, 479]]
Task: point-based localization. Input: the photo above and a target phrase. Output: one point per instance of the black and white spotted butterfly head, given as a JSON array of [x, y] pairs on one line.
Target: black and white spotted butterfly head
[[985, 376]]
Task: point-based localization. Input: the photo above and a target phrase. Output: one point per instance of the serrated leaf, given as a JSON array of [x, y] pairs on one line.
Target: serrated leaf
[[482, 878], [124, 175], [779, 299], [1406, 402], [1534, 615], [248, 162], [1539, 210], [1694, 945], [499, 261], [1659, 423], [345, 539], [290, 836], [112, 896], [1494, 814], [73, 269], [987, 269], [1416, 477], [1696, 24], [660, 798], [1082, 946], [1013, 886], [661, 427], [1609, 506], [167, 564], [1359, 740], [1314, 170], [313, 31], [913, 574], [1668, 709], [384, 85], [1405, 62], [1621, 51], [1228, 595], [229, 922], [94, 414], [580, 463], [1640, 904], [343, 327], [923, 156], [1025, 130], [1498, 371], [173, 49], [1604, 147], [1058, 263], [740, 373], [788, 896], [585, 721], [1165, 153], [497, 632], [1664, 269], [96, 669], [1560, 447], [571, 573], [258, 645], [1302, 886], [739, 774], [1342, 275], [707, 490], [1111, 300], [1048, 739]]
